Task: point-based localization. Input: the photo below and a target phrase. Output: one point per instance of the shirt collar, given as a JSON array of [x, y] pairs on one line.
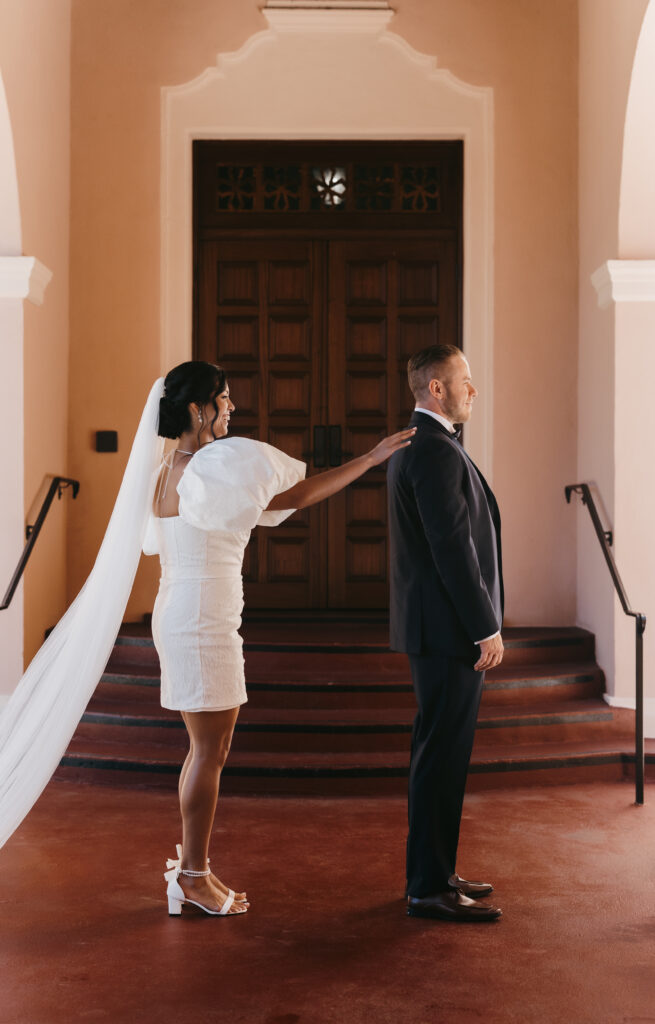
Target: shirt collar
[[435, 416]]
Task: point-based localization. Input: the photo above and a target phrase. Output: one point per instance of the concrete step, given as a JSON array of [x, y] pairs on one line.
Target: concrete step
[[506, 685], [330, 710], [296, 647], [332, 774], [353, 729]]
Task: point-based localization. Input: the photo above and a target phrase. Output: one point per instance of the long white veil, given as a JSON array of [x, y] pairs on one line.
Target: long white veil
[[46, 706]]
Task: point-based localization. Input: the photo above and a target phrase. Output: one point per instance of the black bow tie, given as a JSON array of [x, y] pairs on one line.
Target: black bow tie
[[457, 434]]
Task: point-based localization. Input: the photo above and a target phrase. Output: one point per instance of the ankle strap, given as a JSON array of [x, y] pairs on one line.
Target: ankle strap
[[195, 874]]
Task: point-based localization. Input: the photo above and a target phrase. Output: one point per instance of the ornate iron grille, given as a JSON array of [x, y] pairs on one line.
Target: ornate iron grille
[[236, 188], [303, 188]]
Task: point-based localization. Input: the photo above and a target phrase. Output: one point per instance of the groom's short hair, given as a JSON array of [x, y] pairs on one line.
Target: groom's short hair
[[427, 364]]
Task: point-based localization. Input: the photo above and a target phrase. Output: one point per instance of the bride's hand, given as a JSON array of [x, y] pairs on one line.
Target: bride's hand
[[391, 444]]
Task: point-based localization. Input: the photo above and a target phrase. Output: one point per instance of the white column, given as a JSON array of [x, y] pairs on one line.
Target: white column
[[21, 277], [628, 287]]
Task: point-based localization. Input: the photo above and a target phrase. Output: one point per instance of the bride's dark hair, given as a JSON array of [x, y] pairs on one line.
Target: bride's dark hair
[[194, 381]]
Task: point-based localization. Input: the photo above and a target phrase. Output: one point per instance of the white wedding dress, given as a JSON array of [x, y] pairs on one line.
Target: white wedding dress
[[223, 491]]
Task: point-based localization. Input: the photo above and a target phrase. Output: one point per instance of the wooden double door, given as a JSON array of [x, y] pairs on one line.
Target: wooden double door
[[319, 268], [315, 337]]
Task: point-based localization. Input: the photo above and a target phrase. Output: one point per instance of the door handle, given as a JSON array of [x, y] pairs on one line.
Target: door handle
[[320, 447], [319, 454], [336, 452], [327, 449], [334, 445]]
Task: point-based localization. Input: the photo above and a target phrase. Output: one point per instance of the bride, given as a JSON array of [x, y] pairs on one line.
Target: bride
[[209, 497], [196, 509]]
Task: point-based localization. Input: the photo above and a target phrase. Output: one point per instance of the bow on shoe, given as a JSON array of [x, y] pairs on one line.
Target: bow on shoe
[[170, 863], [174, 866], [174, 890], [173, 874]]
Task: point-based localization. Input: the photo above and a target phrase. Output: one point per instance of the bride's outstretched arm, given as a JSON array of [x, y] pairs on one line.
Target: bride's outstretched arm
[[323, 485]]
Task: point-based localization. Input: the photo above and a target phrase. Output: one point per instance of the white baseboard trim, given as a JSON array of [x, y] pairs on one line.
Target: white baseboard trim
[[629, 703]]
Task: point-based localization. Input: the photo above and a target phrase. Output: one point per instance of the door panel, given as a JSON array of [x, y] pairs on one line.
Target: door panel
[[260, 316], [387, 299]]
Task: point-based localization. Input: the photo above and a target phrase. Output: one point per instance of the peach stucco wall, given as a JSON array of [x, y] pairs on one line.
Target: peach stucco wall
[[528, 53], [123, 53], [35, 63], [609, 31]]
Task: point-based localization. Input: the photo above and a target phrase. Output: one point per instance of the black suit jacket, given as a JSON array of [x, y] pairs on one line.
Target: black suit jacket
[[446, 568]]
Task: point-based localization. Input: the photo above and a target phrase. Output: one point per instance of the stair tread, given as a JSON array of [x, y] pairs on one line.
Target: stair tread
[[275, 629], [152, 753], [542, 670], [504, 673], [153, 713]]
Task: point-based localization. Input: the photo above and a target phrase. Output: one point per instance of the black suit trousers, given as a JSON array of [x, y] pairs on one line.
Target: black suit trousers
[[448, 692]]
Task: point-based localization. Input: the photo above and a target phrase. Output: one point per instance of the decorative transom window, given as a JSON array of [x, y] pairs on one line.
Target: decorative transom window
[[393, 187], [330, 184]]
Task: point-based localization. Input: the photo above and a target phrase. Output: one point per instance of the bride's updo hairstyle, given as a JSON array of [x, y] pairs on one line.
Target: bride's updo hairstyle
[[194, 381]]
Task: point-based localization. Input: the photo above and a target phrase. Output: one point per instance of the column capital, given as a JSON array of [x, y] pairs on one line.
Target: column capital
[[23, 277], [624, 281]]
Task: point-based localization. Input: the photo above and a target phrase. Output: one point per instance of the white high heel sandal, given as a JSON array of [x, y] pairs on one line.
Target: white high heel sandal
[[177, 896], [170, 863]]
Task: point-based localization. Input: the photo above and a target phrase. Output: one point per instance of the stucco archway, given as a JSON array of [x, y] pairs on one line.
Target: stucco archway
[[626, 290], [328, 74], [637, 196]]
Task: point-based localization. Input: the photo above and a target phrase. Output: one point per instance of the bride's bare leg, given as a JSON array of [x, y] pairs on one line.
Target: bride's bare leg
[[222, 888], [210, 734], [185, 768]]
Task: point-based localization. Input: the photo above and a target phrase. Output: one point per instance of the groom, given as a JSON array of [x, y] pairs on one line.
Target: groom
[[446, 614]]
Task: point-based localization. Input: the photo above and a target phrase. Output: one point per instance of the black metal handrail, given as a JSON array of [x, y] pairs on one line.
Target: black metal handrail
[[58, 485], [605, 539]]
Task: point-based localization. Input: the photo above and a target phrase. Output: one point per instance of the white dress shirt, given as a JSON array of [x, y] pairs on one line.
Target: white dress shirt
[[451, 430], [435, 416]]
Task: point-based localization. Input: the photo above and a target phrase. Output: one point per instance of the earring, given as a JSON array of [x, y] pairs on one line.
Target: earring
[[199, 418]]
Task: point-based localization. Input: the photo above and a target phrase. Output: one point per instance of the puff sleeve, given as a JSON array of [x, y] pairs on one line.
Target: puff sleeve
[[229, 483]]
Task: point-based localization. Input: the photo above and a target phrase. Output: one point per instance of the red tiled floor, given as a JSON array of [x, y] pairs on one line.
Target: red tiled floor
[[86, 936]]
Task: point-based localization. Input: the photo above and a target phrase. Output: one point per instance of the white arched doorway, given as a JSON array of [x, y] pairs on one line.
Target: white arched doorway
[[332, 74]]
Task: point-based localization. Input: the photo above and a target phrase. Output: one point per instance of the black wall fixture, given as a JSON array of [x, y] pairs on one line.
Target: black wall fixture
[[106, 440]]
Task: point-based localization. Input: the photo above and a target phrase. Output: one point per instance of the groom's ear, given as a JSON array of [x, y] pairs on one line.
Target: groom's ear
[[436, 388]]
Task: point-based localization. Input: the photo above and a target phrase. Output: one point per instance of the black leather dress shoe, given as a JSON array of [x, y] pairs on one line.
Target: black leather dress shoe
[[473, 889], [451, 905]]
